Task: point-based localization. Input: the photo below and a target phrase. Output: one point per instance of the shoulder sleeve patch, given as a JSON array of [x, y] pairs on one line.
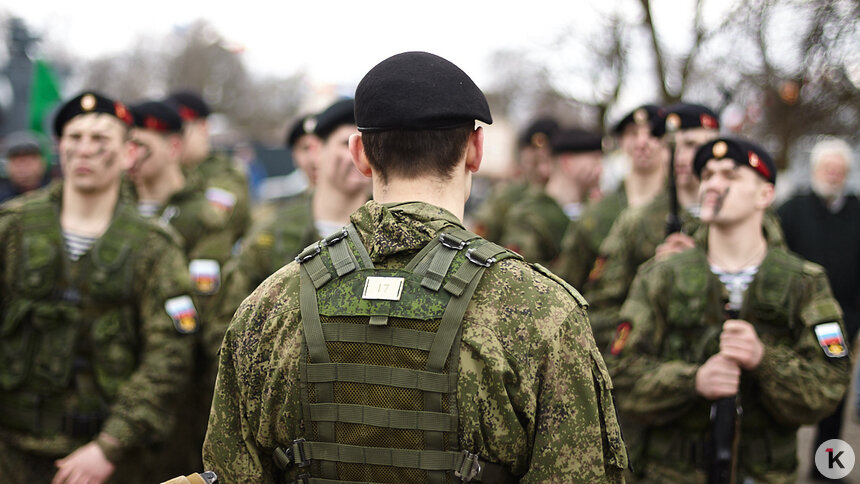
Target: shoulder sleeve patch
[[220, 198], [570, 289], [829, 336], [622, 332], [206, 276], [183, 313]]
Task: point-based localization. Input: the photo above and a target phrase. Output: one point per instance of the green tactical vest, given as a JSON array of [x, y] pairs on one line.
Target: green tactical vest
[[695, 315], [68, 337], [379, 362]]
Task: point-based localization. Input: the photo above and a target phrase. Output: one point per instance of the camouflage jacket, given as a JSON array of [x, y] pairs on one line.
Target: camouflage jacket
[[535, 226], [492, 215], [581, 243], [533, 392], [273, 242], [226, 187], [671, 325], [134, 313], [633, 240]]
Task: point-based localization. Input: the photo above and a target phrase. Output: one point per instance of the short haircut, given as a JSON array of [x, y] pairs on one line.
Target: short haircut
[[830, 145], [411, 154]]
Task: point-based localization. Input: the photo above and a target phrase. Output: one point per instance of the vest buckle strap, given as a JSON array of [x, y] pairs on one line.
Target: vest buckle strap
[[469, 467], [309, 253], [335, 237], [477, 260], [296, 453], [303, 479], [452, 242]]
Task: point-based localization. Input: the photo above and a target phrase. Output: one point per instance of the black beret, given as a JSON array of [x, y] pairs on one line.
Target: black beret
[[743, 153], [300, 127], [86, 103], [644, 114], [685, 116], [21, 143], [418, 90], [575, 141], [538, 133], [340, 113], [157, 116], [189, 105]]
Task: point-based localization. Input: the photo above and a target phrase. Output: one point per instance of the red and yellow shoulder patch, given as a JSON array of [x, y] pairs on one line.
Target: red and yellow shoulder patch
[[622, 332]]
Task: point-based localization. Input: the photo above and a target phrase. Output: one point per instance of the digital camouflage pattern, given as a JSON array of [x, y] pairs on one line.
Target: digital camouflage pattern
[[534, 227], [533, 392], [109, 346], [581, 244], [492, 215], [676, 309], [218, 172]]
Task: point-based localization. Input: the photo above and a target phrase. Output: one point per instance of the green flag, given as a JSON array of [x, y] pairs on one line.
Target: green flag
[[44, 95]]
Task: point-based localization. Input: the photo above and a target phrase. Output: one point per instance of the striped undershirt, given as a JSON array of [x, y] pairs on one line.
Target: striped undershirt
[[148, 209], [78, 245], [736, 282]]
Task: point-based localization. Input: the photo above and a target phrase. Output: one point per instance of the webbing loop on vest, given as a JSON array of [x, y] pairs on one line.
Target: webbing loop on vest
[[383, 417], [441, 260], [427, 381]]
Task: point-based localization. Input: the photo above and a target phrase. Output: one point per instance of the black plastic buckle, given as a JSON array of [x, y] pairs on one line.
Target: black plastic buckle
[[469, 467], [335, 237], [309, 253], [452, 242], [470, 254], [296, 453]]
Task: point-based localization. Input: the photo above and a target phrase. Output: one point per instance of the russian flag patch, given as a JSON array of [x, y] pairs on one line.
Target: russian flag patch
[[830, 339]]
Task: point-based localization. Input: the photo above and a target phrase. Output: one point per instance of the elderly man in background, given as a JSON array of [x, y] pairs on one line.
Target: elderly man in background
[[823, 225]]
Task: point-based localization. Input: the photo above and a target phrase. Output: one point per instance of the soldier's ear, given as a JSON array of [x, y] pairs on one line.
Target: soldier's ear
[[475, 149], [359, 158]]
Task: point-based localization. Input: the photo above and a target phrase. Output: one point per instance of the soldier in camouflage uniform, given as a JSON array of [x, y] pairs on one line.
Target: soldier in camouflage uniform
[[163, 191], [510, 387], [536, 224], [96, 315], [276, 240], [530, 176], [581, 244], [226, 185], [783, 353], [640, 233]]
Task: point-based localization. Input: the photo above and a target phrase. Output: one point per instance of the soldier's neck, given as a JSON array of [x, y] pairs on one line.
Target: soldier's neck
[[161, 189], [642, 187], [88, 213], [333, 205], [448, 194], [737, 246]]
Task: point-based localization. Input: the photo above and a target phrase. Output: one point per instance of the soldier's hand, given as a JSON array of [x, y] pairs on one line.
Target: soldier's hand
[[86, 465], [739, 342], [674, 243], [719, 377]]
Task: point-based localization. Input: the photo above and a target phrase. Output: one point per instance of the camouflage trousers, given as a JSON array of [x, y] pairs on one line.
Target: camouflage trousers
[[662, 472]]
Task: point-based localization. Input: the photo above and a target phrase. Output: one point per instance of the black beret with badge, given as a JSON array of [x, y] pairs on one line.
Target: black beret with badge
[[189, 105], [684, 116], [643, 115], [157, 116], [570, 140], [418, 91], [338, 114], [86, 103], [538, 133], [742, 152], [300, 127]]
